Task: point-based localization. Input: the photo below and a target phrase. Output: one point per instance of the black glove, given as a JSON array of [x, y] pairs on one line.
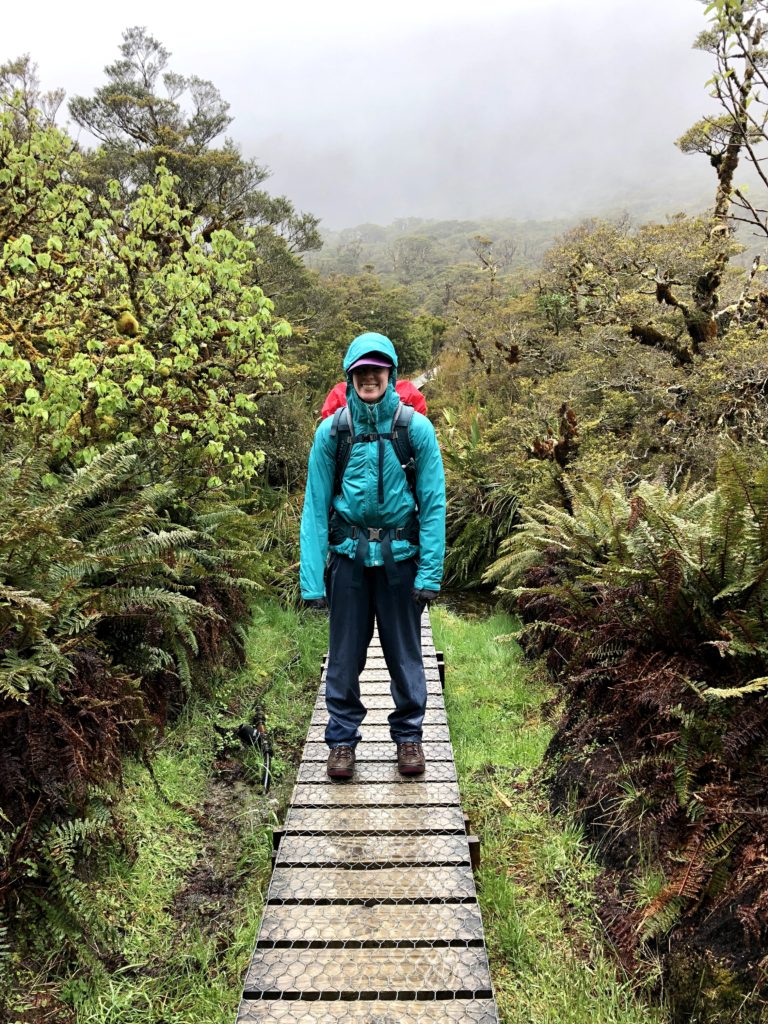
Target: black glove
[[423, 598], [316, 604]]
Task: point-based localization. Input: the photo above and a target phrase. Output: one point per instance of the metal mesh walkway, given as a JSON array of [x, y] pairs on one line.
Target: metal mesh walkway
[[371, 915]]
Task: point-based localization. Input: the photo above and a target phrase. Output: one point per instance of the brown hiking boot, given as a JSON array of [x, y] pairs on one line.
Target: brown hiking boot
[[410, 758], [341, 762]]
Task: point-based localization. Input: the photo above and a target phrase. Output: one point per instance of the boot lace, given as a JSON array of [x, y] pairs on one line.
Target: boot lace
[[411, 749]]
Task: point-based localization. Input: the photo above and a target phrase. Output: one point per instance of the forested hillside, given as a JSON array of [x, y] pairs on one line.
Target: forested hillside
[[168, 330], [426, 253]]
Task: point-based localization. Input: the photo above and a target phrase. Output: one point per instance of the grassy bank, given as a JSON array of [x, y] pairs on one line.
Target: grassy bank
[[536, 878], [185, 900]]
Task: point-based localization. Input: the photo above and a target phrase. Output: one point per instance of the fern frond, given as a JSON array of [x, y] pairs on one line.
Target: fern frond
[[661, 915], [753, 686], [23, 599], [137, 600]]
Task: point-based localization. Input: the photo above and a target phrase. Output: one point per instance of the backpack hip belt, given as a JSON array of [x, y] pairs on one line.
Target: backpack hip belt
[[340, 530]]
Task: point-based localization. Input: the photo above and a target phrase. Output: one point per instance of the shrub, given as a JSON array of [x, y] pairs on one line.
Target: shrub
[[480, 507], [651, 610], [120, 316], [113, 591]]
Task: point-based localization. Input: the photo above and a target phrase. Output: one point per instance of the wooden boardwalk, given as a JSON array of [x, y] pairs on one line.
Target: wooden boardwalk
[[371, 915]]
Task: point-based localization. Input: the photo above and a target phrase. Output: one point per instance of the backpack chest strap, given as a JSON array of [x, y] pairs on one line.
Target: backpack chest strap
[[341, 430], [374, 436]]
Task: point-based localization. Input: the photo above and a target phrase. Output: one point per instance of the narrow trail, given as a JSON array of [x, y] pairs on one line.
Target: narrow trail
[[372, 914], [189, 900]]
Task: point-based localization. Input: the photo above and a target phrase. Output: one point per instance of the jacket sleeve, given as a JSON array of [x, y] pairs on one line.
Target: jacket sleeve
[[314, 517], [430, 491]]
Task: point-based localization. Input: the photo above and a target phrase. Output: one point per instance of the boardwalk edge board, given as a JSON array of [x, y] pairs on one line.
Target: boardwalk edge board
[[371, 915]]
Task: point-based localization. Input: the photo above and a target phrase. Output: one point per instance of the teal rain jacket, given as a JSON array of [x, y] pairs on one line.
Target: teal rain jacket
[[358, 503]]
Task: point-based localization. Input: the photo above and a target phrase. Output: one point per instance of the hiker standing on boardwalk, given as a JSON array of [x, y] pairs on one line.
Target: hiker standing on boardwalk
[[376, 497]]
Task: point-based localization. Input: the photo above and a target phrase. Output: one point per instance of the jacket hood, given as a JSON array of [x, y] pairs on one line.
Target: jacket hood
[[367, 343]]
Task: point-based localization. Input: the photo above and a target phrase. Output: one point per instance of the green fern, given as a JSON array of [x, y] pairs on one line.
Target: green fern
[[109, 583], [481, 508], [651, 607], [753, 686], [684, 768]]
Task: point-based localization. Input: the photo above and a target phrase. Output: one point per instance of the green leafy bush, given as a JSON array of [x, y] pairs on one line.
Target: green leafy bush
[[650, 609], [117, 597], [481, 508], [120, 317]]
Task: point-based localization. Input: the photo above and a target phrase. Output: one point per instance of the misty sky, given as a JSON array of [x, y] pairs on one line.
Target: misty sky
[[429, 108]]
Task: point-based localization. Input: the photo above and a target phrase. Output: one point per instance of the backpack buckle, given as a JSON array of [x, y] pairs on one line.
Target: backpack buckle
[[375, 532]]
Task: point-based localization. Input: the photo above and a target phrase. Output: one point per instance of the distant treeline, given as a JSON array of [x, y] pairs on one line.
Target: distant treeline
[[412, 249]]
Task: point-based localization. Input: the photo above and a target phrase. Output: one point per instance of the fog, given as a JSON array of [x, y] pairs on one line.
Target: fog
[[440, 110]]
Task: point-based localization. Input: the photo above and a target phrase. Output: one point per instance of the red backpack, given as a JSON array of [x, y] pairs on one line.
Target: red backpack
[[409, 395]]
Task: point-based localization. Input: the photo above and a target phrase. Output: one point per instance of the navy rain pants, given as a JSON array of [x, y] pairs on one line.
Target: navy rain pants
[[358, 597]]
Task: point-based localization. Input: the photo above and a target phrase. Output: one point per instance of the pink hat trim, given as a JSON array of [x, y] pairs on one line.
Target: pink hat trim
[[369, 361]]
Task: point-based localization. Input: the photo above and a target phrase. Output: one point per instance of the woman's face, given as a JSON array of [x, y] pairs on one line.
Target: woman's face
[[370, 382]]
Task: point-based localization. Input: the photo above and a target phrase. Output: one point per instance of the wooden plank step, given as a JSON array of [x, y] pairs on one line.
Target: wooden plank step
[[367, 772], [368, 850], [372, 885], [380, 733], [380, 716], [379, 663], [318, 751], [428, 652], [377, 675], [375, 819], [369, 972], [381, 675], [383, 923], [364, 1011], [378, 668], [382, 686], [393, 794], [384, 701]]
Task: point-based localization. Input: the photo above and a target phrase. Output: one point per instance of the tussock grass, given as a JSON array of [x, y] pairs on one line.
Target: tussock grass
[[536, 878]]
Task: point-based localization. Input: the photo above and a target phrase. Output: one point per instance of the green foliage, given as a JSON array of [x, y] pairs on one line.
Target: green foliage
[[711, 136], [736, 41], [633, 407], [556, 309], [116, 594], [696, 559], [427, 254], [120, 319], [147, 114], [283, 431], [616, 274], [345, 306], [481, 508], [180, 896], [278, 520], [651, 609]]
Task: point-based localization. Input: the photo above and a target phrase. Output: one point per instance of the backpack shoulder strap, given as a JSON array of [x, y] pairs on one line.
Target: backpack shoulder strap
[[401, 439], [336, 421], [341, 429], [401, 442]]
